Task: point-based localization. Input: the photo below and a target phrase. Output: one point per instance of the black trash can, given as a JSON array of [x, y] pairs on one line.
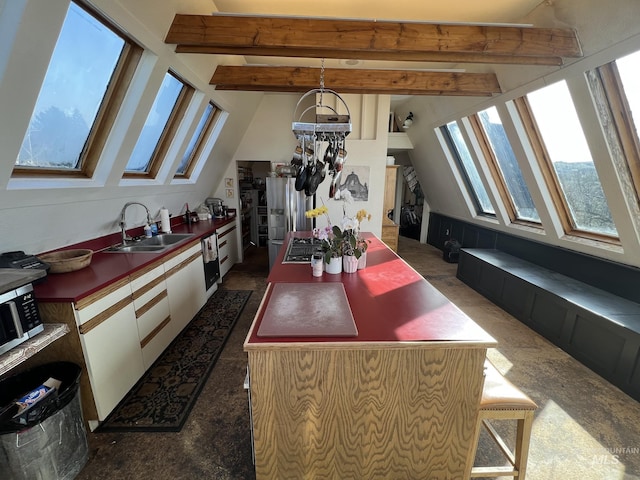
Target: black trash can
[[451, 251], [48, 441]]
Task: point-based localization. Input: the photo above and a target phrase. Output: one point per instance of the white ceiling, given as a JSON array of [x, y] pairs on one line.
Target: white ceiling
[[487, 11]]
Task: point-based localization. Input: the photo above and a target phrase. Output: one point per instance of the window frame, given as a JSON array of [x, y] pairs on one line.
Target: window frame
[[496, 172], [107, 112], [453, 148], [206, 132], [623, 123], [168, 132], [550, 177]]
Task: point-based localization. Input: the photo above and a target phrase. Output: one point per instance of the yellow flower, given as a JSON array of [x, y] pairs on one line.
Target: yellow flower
[[362, 215], [316, 212]]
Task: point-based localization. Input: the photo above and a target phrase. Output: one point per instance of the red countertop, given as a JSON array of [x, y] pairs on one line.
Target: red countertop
[[106, 268], [389, 300]]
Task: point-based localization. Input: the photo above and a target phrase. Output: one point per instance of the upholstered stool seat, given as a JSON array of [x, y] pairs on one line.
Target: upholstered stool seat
[[502, 400]]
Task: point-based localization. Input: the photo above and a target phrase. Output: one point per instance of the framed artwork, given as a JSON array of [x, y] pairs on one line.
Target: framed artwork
[[356, 180], [229, 192], [228, 182]]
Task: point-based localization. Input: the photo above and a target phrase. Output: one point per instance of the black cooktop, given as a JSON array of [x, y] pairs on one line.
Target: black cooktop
[[300, 250]]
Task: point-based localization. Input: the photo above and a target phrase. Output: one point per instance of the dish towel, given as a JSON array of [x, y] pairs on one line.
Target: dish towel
[[210, 254]]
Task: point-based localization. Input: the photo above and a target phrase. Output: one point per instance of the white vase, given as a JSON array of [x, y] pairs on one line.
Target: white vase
[[362, 261], [334, 265], [349, 263]]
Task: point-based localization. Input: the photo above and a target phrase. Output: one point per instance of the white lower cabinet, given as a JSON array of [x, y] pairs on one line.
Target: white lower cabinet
[[227, 247], [126, 326], [153, 317], [111, 347], [184, 273]]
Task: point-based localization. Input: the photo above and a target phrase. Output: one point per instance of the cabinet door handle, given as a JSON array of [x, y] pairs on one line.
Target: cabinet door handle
[[226, 257], [222, 244]]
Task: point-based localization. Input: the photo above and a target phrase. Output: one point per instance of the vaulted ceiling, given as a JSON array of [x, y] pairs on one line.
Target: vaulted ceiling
[[413, 48]]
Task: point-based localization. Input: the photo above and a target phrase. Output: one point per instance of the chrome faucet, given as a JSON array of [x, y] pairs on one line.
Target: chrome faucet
[[123, 223]]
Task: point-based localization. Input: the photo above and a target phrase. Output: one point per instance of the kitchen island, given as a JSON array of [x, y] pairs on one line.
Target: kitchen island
[[397, 398]]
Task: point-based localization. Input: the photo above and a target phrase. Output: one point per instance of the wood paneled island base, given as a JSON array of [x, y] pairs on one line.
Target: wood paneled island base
[[397, 401]]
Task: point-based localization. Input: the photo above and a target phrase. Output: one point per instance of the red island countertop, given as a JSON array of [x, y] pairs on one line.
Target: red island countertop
[[390, 303], [106, 268]]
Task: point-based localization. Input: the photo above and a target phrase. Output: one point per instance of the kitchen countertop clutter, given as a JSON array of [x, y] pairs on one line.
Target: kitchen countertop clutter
[[127, 306], [107, 267]]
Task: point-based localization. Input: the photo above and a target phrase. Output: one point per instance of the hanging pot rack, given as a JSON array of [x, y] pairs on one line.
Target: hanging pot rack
[[323, 124], [313, 127]]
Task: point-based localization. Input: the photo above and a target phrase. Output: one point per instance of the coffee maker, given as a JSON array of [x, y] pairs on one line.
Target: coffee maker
[[216, 207]]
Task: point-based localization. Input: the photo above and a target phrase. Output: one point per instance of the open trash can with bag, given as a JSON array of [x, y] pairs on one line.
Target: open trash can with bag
[[42, 432]]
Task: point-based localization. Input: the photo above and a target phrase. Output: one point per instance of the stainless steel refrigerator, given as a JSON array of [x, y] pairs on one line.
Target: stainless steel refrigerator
[[286, 208]]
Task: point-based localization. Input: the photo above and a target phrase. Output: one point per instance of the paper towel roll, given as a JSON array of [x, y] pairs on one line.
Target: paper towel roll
[[165, 223]]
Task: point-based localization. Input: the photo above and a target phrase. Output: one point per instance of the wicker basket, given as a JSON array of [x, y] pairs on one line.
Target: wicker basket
[[67, 260]]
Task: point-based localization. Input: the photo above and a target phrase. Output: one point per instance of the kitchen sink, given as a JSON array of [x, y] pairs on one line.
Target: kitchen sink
[[136, 248], [164, 239], [150, 244]]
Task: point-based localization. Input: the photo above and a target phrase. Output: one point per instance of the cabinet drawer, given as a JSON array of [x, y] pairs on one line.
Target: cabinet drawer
[[154, 329], [151, 315], [224, 249], [226, 231], [110, 299], [145, 279], [182, 256], [157, 342]]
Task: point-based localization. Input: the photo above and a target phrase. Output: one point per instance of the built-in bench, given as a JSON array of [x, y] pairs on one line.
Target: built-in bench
[[595, 326]]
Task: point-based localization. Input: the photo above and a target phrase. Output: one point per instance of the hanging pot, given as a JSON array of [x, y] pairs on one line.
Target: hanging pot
[[313, 181], [301, 179]]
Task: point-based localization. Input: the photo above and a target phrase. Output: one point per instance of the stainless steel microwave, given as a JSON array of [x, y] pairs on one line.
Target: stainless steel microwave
[[19, 317]]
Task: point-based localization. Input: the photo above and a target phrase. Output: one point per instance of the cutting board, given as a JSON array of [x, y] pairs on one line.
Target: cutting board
[[308, 310]]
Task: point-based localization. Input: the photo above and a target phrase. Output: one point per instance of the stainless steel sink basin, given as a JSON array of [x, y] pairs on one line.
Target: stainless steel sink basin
[[165, 239], [136, 248], [150, 245]]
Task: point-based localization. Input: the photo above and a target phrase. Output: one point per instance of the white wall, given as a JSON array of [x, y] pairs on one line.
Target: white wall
[[269, 137], [45, 216]]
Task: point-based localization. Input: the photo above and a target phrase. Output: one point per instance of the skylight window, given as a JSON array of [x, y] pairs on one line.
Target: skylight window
[[159, 127], [619, 80], [205, 125], [507, 170], [572, 169], [462, 155], [71, 117]]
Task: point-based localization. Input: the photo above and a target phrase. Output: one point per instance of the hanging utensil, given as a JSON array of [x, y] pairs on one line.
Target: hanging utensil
[[334, 184]]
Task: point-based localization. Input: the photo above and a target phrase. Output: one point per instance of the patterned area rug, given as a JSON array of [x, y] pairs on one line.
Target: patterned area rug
[[162, 399]]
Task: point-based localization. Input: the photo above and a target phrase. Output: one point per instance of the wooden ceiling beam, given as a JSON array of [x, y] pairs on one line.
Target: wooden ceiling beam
[[294, 36], [362, 81], [441, 57]]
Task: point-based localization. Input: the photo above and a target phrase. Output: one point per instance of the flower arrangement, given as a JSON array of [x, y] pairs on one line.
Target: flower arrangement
[[331, 238], [344, 240]]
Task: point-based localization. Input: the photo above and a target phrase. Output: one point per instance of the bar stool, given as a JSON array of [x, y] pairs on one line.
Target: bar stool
[[501, 400]]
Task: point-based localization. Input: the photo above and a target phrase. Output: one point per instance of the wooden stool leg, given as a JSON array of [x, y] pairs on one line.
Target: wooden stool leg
[[523, 440]]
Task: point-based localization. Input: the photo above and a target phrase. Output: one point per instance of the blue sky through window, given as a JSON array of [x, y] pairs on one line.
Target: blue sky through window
[[79, 73]]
